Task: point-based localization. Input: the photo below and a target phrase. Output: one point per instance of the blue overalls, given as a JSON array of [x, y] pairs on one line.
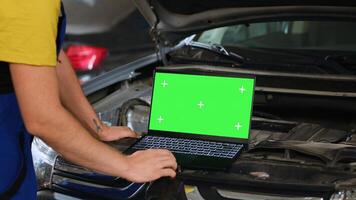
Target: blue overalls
[[17, 175]]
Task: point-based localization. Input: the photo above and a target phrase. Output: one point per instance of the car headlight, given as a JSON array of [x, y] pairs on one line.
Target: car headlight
[[344, 195], [44, 158]]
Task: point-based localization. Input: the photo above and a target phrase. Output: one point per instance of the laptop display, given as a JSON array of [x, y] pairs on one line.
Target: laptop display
[[210, 105]]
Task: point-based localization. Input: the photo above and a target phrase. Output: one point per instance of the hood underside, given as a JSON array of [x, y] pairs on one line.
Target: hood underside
[[173, 20]]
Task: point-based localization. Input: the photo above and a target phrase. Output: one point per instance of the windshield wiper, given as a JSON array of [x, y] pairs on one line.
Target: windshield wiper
[[212, 47]]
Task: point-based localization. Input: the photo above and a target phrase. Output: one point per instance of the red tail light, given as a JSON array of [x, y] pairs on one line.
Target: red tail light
[[86, 58]]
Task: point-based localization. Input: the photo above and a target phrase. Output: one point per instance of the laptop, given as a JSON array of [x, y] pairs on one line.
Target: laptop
[[202, 118]]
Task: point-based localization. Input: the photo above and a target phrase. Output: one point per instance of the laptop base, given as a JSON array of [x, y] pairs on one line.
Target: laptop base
[[189, 161]]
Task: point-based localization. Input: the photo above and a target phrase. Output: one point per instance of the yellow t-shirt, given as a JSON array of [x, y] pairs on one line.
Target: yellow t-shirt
[[28, 31]]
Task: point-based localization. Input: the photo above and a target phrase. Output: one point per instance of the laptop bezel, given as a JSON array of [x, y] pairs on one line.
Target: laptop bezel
[[199, 136]]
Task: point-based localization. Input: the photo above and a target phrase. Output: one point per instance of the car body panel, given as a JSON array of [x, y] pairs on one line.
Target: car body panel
[[95, 16], [173, 20]]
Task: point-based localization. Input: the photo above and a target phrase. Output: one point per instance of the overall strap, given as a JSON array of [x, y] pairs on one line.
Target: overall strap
[[6, 86], [11, 191], [62, 23]]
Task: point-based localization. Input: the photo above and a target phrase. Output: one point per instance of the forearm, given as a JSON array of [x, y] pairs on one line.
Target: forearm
[[37, 93], [74, 142], [73, 98], [44, 116]]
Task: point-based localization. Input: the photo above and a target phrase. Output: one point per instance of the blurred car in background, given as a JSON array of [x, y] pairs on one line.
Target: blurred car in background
[[104, 34]]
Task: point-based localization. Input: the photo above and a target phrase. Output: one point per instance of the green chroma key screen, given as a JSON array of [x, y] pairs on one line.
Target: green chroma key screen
[[202, 104]]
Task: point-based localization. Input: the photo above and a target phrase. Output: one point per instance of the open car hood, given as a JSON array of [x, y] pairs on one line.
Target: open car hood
[[173, 20]]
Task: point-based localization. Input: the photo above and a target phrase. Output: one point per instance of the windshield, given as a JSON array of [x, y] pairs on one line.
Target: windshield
[[308, 35]]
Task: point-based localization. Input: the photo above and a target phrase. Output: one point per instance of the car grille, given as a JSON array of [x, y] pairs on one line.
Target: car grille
[[76, 181]]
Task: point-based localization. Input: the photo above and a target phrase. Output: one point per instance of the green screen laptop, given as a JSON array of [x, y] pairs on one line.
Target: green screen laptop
[[203, 119]]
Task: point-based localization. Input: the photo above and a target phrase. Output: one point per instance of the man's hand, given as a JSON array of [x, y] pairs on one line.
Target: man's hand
[[115, 133], [150, 165]]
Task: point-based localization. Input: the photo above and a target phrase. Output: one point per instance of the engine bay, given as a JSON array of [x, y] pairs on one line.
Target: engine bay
[[319, 152], [300, 145]]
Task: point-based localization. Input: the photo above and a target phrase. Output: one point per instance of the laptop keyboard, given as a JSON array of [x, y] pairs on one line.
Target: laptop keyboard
[[189, 146]]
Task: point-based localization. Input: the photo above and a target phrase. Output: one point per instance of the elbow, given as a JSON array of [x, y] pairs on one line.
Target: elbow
[[42, 123], [36, 127]]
